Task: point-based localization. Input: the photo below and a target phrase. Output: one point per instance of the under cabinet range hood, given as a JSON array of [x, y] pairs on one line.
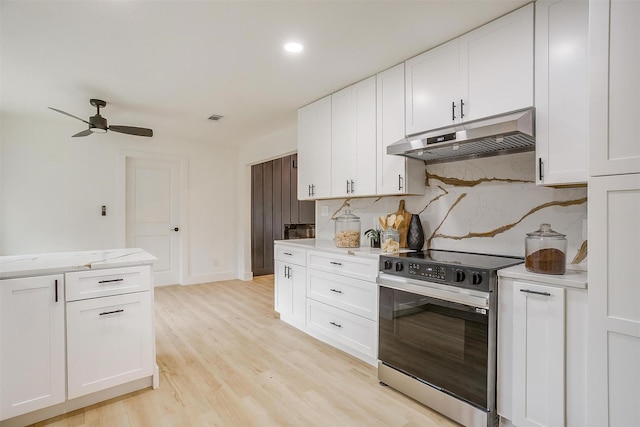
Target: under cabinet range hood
[[502, 134]]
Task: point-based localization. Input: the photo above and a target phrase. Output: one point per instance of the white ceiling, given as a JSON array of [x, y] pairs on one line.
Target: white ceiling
[[168, 65]]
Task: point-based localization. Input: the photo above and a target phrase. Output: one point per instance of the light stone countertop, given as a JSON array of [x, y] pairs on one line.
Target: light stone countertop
[[63, 262], [330, 246], [575, 276]]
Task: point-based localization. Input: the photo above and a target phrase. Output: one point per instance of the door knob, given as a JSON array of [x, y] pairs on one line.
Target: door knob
[[176, 229]]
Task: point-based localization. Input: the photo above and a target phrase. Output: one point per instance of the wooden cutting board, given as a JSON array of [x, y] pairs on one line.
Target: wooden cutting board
[[402, 230]]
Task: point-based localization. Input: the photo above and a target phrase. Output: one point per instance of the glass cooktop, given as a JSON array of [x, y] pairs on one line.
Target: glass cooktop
[[467, 259]]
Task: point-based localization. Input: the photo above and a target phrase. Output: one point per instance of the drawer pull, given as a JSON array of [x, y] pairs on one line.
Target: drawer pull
[[111, 281], [104, 313], [337, 291], [287, 253], [546, 294], [336, 263], [336, 324]]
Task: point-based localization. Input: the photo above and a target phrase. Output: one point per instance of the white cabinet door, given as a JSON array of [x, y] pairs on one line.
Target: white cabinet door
[[485, 72], [32, 344], [395, 174], [562, 30], [290, 292], [614, 301], [538, 355], [496, 65], [433, 88], [314, 150], [614, 87], [110, 341], [353, 140]]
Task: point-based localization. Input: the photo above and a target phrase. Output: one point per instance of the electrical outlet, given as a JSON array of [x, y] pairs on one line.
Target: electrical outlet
[[324, 211], [216, 262]]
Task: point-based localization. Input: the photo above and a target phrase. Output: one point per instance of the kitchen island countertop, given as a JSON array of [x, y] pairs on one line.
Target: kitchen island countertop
[[15, 266]]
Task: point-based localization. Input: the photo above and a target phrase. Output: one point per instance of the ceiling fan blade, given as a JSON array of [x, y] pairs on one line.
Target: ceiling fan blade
[[67, 114], [131, 130], [85, 132]]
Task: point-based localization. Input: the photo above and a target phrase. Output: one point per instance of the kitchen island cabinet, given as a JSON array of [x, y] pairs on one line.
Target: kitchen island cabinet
[[106, 348], [32, 370], [542, 348], [561, 91]]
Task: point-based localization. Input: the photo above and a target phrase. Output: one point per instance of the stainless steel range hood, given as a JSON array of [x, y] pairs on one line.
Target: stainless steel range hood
[[502, 134]]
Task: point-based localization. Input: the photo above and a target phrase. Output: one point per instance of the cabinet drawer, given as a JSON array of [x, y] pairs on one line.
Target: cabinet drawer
[[110, 341], [346, 265], [99, 283], [352, 295], [353, 331], [291, 254]]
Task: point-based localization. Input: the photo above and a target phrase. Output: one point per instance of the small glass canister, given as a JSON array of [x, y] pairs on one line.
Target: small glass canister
[[545, 251], [390, 241], [347, 230]]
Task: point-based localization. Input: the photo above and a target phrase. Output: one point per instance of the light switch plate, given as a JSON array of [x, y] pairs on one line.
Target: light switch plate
[[324, 211]]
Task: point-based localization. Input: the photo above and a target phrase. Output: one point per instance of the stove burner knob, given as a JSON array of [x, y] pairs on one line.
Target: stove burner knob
[[387, 265], [476, 279], [399, 266], [459, 275]]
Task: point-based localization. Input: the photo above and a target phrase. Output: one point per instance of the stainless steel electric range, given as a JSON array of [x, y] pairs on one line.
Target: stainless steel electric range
[[437, 330]]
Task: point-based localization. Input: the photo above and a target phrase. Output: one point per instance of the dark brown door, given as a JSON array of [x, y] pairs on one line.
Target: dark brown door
[[274, 202]]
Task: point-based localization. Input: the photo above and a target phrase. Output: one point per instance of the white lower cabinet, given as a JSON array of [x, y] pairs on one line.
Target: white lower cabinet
[[290, 286], [351, 333], [32, 350], [109, 342], [330, 296], [541, 354], [290, 292]]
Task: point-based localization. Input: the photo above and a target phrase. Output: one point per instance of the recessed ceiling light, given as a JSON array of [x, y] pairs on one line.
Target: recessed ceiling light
[[293, 47]]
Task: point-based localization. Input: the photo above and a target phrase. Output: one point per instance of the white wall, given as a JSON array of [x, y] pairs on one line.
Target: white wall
[[269, 147], [53, 187]]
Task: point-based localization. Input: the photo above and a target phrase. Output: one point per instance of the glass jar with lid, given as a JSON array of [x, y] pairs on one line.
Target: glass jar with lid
[[545, 251], [347, 230]]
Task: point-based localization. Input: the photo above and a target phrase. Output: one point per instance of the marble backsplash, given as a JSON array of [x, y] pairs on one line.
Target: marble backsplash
[[482, 205]]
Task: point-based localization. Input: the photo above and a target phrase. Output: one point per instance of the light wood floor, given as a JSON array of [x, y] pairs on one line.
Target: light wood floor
[[227, 360]]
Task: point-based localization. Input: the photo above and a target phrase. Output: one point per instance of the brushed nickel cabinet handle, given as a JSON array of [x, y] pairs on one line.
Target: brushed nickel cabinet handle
[[104, 313]]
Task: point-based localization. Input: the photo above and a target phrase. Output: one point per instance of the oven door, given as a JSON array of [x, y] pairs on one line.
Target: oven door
[[438, 336]]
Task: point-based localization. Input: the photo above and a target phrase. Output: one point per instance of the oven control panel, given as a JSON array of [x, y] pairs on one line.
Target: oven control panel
[[459, 276], [428, 271]]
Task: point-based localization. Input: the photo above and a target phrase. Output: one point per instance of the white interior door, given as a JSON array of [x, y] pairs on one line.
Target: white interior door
[[152, 214]]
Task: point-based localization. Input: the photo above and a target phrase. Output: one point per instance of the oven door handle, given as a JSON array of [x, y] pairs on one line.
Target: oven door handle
[[424, 289]]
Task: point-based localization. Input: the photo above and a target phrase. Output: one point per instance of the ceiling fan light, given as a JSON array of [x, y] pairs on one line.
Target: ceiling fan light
[[95, 129]]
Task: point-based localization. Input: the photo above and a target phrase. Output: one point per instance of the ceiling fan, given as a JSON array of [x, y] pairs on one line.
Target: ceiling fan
[[98, 124]]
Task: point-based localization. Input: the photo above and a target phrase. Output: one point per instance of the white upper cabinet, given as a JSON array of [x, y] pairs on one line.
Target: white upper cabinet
[[614, 69], [433, 88], [496, 63], [314, 150], [353, 140], [561, 45], [485, 72], [396, 174]]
